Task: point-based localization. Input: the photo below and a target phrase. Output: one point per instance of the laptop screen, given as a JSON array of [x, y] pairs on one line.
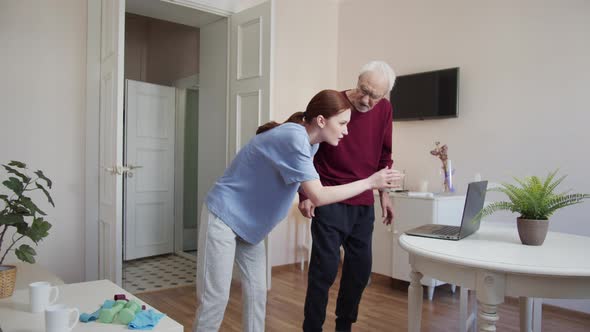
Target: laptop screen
[[476, 195]]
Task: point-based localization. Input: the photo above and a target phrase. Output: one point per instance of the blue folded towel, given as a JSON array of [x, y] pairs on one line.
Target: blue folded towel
[[85, 318], [145, 320]]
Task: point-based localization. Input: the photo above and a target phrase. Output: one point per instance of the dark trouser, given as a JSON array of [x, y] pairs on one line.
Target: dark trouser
[[335, 225]]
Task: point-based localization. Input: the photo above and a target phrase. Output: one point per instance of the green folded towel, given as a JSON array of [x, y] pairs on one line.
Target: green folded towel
[[108, 315], [127, 314]]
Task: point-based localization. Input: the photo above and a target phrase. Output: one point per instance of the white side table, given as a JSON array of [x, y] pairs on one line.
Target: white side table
[[495, 264], [86, 296]]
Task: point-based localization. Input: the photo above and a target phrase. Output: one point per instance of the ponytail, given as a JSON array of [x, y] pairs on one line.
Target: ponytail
[[326, 103], [297, 117]]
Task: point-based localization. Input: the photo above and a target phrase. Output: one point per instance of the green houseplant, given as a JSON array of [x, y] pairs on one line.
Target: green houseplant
[[19, 211], [536, 201]]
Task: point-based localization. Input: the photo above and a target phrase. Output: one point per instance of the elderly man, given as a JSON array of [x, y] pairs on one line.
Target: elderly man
[[350, 223]]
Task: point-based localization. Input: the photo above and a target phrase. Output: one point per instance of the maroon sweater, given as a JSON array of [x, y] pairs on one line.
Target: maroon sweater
[[365, 150]]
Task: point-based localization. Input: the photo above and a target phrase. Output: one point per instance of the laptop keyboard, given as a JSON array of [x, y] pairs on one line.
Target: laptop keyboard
[[447, 230]]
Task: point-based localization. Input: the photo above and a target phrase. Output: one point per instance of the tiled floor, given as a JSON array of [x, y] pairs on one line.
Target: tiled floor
[[156, 273]]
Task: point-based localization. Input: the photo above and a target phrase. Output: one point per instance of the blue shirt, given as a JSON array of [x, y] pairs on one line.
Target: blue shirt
[[256, 191]]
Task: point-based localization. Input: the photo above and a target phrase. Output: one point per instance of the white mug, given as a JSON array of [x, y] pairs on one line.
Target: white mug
[[60, 318], [40, 295]]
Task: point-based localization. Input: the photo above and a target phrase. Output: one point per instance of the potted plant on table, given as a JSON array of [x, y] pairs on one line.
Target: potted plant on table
[[535, 200], [18, 211]]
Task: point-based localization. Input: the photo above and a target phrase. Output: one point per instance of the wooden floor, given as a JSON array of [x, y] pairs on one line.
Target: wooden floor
[[383, 308]]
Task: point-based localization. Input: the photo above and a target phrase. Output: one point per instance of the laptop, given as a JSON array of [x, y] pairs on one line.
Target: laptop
[[476, 195]]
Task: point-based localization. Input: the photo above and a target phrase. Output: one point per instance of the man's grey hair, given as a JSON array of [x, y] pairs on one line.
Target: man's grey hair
[[380, 67]]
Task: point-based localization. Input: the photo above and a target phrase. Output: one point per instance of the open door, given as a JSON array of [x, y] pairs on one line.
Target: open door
[[149, 173], [213, 91], [110, 214], [249, 81]]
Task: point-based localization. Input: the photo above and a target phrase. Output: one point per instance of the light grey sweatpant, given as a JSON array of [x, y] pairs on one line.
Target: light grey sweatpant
[[217, 248]]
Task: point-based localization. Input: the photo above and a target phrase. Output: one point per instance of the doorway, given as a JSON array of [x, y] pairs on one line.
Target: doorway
[[161, 144], [232, 88]]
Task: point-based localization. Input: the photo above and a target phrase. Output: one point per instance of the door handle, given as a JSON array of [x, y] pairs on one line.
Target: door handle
[[128, 170], [120, 170], [114, 170]]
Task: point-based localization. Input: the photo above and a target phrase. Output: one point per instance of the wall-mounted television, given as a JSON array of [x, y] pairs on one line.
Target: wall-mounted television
[[428, 95]]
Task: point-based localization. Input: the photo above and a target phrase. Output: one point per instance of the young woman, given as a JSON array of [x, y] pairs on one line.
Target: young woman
[[255, 193]]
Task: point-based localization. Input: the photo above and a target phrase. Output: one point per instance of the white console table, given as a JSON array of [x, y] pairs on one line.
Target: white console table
[[388, 257]]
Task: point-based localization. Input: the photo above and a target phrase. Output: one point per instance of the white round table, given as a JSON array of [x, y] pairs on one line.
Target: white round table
[[495, 264]]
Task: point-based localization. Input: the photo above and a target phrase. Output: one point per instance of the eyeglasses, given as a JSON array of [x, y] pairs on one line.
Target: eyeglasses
[[365, 92]]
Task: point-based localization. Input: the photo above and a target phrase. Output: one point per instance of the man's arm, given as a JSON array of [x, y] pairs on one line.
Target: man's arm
[[386, 207], [386, 161]]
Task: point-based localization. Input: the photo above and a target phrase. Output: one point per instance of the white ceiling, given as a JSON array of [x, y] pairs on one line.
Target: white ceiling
[[170, 12]]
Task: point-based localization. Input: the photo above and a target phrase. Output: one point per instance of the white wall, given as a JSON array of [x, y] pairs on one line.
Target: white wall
[[305, 53], [42, 107], [523, 105]]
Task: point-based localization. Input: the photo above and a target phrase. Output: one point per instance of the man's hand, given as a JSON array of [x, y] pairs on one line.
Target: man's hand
[[386, 208], [307, 209]]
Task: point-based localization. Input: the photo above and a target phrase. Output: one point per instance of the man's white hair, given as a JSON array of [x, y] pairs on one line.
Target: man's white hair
[[380, 67]]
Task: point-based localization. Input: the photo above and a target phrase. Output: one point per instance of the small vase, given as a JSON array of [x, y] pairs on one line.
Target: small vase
[[448, 173]]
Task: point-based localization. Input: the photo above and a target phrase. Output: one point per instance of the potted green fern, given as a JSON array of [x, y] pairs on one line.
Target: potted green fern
[[18, 210], [535, 200]]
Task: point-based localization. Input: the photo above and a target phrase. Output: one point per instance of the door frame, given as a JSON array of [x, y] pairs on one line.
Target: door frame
[[92, 144], [180, 110], [92, 167]]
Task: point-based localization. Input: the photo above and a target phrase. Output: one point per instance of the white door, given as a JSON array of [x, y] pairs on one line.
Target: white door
[[249, 82], [111, 140], [149, 157], [249, 74]]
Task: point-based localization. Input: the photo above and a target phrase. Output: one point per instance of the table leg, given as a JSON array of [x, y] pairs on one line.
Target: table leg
[[467, 311], [415, 294], [473, 315], [526, 313], [490, 290], [488, 316], [537, 314], [463, 309], [430, 293]]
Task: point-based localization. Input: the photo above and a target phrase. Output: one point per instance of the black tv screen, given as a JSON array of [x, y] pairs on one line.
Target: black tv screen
[[428, 95]]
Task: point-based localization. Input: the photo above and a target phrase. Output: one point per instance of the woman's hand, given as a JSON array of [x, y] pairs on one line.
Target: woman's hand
[[385, 178]]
